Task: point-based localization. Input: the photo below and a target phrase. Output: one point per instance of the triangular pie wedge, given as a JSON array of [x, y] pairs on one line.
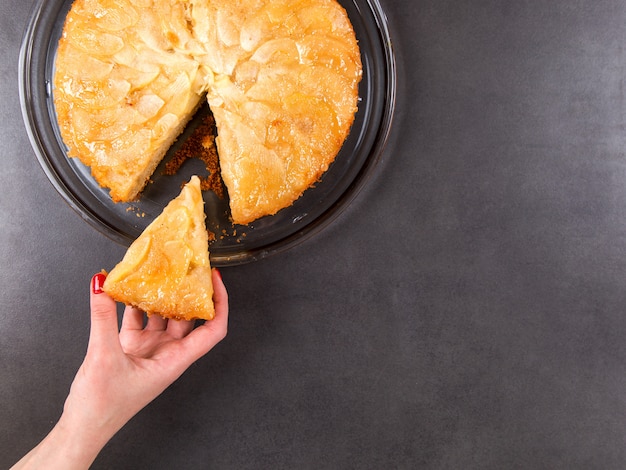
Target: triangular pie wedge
[[166, 270]]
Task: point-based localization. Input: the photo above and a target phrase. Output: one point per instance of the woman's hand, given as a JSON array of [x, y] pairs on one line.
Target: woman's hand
[[122, 372]]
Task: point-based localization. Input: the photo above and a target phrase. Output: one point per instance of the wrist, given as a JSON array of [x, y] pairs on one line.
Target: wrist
[[66, 447], [80, 442]]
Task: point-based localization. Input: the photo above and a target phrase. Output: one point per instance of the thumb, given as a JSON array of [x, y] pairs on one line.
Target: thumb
[[104, 331]]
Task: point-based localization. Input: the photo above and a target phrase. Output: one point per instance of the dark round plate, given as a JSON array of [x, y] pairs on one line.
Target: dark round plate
[[234, 244]]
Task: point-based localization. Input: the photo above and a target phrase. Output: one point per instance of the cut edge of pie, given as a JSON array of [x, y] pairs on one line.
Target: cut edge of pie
[[166, 270]]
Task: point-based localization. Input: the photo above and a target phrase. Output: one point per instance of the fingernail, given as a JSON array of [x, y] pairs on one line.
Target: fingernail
[[97, 282], [219, 274]]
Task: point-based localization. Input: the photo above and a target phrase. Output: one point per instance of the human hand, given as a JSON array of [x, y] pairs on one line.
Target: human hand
[[123, 371]]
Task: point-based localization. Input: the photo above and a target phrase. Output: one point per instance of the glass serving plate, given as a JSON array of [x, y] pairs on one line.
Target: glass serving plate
[[233, 244]]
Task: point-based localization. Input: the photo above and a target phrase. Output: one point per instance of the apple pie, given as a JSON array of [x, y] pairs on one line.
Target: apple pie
[[280, 76], [166, 270]]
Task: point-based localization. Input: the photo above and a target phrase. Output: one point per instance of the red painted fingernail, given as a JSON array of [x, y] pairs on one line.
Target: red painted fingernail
[[97, 282]]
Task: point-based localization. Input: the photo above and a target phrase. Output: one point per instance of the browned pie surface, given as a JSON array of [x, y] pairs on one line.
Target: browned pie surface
[[281, 78], [166, 270]]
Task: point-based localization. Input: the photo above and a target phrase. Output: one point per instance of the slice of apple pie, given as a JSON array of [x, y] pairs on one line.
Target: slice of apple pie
[[166, 270]]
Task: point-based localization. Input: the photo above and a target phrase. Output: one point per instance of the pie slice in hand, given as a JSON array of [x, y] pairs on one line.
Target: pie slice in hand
[[166, 270]]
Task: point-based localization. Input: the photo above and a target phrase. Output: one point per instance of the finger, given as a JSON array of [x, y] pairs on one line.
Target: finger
[[156, 323], [179, 328], [220, 295], [104, 331], [205, 337], [132, 319]]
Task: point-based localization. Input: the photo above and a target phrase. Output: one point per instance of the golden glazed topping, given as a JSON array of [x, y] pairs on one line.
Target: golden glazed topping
[[280, 76], [166, 270]]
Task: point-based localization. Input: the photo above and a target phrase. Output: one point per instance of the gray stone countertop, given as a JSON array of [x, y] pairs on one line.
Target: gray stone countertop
[[467, 310]]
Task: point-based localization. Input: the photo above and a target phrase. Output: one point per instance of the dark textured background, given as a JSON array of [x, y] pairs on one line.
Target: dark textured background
[[466, 311]]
